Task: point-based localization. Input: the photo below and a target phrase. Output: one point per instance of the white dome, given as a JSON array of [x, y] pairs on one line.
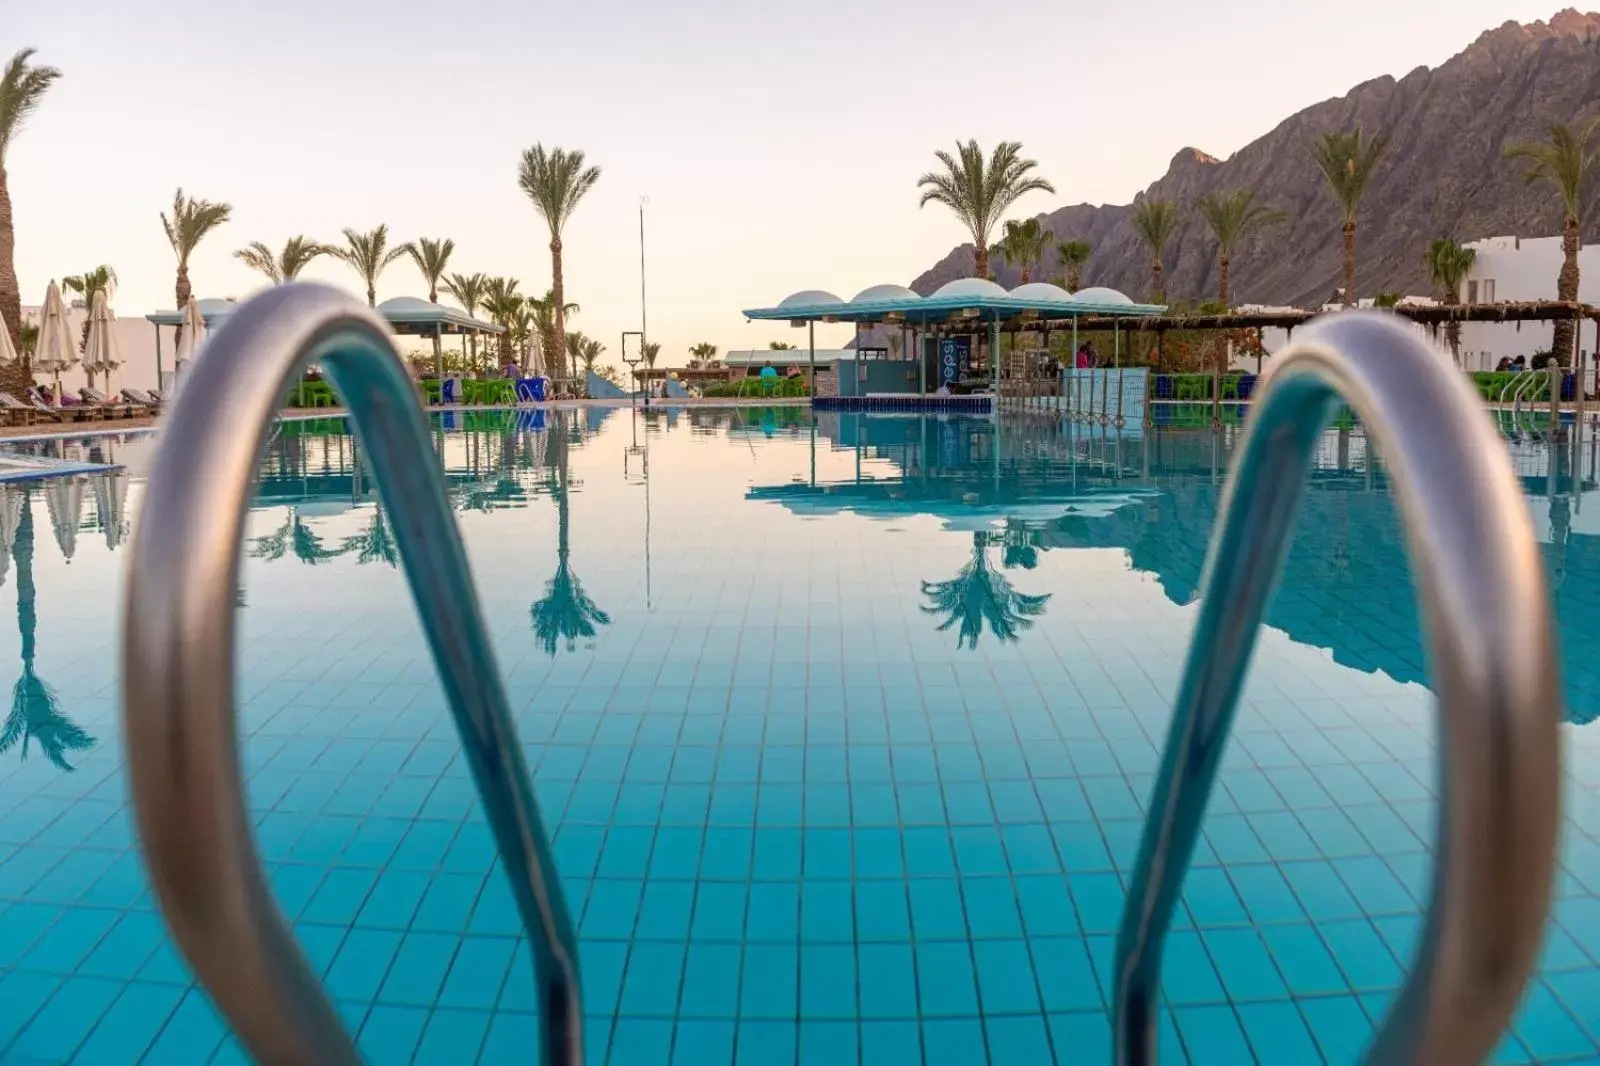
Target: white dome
[[810, 298], [1100, 295], [969, 287], [407, 303], [881, 293], [1041, 292]]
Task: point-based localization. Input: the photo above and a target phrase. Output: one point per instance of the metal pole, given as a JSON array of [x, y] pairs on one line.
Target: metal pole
[[158, 359], [994, 357], [811, 330], [644, 329], [1077, 388]]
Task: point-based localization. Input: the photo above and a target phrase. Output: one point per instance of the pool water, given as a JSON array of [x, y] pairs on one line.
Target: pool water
[[843, 728]]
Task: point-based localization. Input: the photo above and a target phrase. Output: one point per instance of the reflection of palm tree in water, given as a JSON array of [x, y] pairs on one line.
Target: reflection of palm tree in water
[[293, 536], [980, 593], [35, 709], [375, 543], [566, 612]]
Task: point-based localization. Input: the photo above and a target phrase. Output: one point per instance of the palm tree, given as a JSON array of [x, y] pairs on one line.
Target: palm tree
[[574, 349], [282, 267], [1347, 161], [1154, 222], [28, 342], [1449, 264], [1563, 161], [101, 279], [35, 709], [22, 87], [556, 181], [979, 594], [295, 537], [590, 352], [368, 254], [520, 327], [375, 544], [1233, 217], [190, 222], [979, 191], [566, 613], [1073, 255], [432, 257], [500, 302], [651, 353], [1024, 244], [544, 323], [467, 290], [779, 346], [704, 351]]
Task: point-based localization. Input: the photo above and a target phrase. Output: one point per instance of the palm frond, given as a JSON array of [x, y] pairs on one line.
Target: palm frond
[[22, 87], [259, 257], [190, 221], [1563, 160], [1234, 216], [555, 180], [1347, 162]]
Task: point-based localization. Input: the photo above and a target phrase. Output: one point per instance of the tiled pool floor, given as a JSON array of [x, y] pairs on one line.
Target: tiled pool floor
[[844, 738]]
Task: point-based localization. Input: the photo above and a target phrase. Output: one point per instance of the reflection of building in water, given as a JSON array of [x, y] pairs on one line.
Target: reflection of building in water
[[1346, 586]]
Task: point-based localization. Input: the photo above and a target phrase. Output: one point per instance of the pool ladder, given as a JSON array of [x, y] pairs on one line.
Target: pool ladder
[[1478, 571]]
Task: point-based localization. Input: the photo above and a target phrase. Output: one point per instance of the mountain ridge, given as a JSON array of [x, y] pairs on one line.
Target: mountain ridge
[[1443, 174]]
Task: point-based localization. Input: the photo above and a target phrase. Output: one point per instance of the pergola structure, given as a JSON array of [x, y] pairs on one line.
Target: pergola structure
[[406, 315], [966, 303]]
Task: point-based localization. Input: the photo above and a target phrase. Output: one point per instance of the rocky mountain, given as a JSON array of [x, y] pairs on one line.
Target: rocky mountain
[[1443, 174]]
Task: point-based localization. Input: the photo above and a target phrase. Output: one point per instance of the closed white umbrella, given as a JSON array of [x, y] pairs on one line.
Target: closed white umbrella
[[111, 505], [12, 500], [63, 497], [57, 350], [191, 338], [101, 353], [8, 351]]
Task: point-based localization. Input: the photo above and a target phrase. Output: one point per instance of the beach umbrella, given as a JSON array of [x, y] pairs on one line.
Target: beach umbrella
[[11, 503], [101, 352], [57, 349], [194, 333], [63, 496], [110, 505], [8, 352]]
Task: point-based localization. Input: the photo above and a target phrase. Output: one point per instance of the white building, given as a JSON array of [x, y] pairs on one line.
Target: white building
[[1275, 339], [136, 338], [1509, 269]]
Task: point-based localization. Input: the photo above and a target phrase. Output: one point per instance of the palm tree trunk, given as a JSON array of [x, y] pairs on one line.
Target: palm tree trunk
[[558, 289], [1222, 284], [1156, 293], [10, 292], [1452, 329], [1027, 275], [980, 259], [1072, 278], [1566, 289], [181, 291], [372, 295], [1350, 263]]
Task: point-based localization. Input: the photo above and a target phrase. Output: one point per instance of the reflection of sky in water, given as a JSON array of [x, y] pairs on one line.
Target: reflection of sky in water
[[786, 606]]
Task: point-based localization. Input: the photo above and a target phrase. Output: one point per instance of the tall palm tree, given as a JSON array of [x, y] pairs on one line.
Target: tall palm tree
[[1448, 265], [1563, 161], [467, 290], [574, 348], [556, 180], [1154, 221], [520, 328], [282, 267], [566, 612], [1024, 244], [191, 220], [1073, 255], [978, 594], [651, 353], [590, 352], [35, 709], [544, 323], [22, 87], [1347, 162], [980, 191], [1233, 217], [500, 302], [101, 279], [432, 256], [368, 254]]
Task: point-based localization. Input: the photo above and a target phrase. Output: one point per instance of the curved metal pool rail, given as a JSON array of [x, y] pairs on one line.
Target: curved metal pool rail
[[178, 672], [1486, 615]]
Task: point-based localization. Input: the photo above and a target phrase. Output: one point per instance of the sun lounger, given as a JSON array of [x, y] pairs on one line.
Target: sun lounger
[[93, 397], [14, 411], [140, 397]]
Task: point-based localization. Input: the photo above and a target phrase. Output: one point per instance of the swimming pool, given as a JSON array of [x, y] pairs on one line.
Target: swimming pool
[[843, 727]]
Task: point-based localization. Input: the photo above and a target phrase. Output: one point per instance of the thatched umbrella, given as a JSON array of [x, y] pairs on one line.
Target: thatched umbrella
[[57, 349], [35, 709], [101, 352]]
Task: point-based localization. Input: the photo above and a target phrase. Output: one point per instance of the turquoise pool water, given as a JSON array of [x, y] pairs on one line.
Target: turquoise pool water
[[844, 730]]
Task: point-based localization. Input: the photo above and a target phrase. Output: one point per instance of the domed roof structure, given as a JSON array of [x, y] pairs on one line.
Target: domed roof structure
[[1098, 294], [878, 293], [969, 287], [407, 303], [810, 298], [1041, 292]]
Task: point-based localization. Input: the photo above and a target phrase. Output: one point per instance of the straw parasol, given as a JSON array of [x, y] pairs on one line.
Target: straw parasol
[[111, 505], [101, 352], [63, 497], [194, 333], [57, 351], [8, 352]]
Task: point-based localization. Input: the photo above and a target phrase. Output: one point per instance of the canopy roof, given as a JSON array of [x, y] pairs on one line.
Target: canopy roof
[[405, 314], [964, 298]]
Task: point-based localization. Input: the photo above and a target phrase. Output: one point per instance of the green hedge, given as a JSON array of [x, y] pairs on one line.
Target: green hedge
[[475, 392], [751, 386]]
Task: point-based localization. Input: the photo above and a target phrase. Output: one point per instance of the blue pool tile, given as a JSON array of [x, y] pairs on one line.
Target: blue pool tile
[[770, 988], [945, 980], [953, 1042], [75, 1007], [763, 1042], [191, 1033], [477, 971], [698, 1042], [389, 1034], [1212, 1035], [641, 1040], [829, 1043]]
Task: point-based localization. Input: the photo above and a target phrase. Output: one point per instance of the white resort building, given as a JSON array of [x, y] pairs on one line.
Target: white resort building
[[1509, 269]]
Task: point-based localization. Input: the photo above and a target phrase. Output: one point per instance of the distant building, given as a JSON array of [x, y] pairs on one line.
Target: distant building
[[136, 338], [1510, 269]]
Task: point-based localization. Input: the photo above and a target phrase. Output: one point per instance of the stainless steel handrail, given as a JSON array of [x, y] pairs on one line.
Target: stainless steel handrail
[[178, 672], [1486, 613]]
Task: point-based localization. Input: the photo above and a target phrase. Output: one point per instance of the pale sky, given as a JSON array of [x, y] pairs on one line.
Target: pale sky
[[779, 146]]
